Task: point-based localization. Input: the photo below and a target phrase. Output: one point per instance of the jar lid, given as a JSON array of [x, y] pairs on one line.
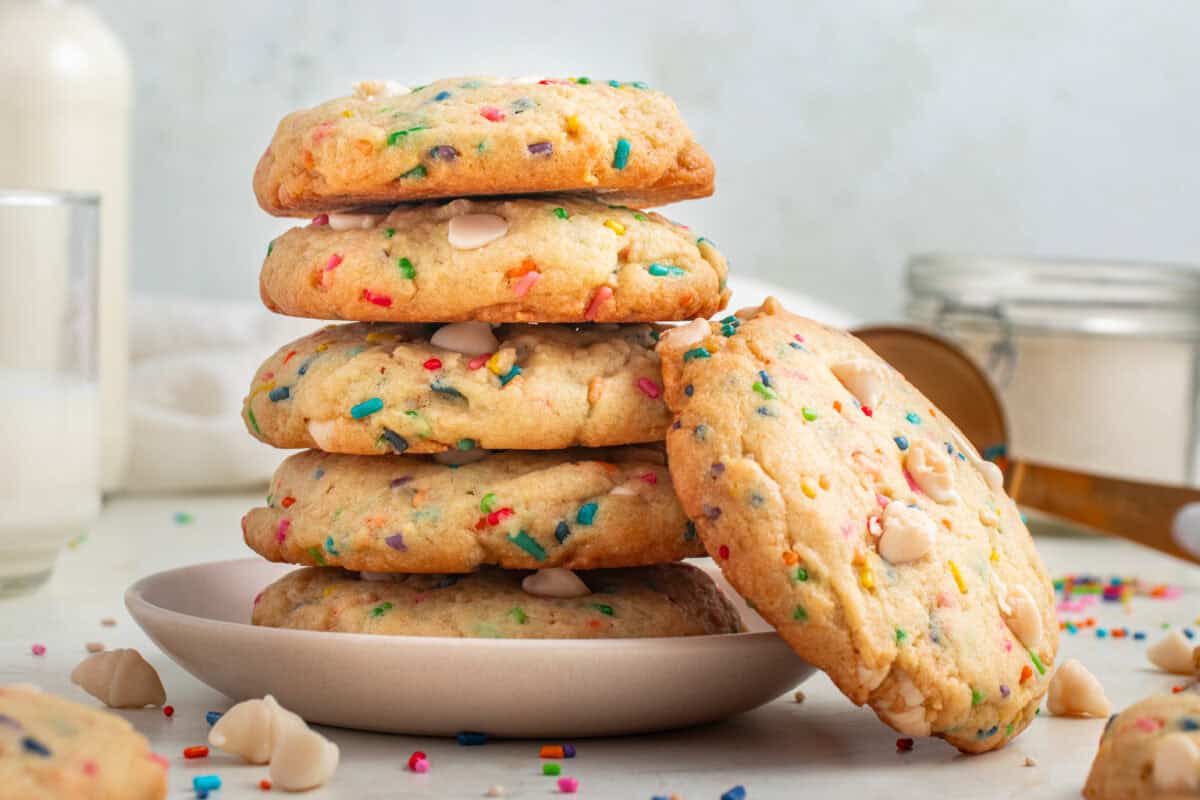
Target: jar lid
[[1074, 295]]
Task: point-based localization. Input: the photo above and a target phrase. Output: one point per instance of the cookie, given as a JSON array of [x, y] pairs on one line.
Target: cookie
[[53, 748], [387, 144], [552, 259], [394, 388], [861, 524], [581, 509], [664, 600], [1149, 750]]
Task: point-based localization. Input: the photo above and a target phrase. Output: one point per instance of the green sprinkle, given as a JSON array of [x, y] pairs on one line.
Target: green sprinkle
[[765, 391], [901, 635], [517, 613], [1037, 662], [801, 575], [551, 769], [466, 444], [661, 270], [587, 513], [1008, 729], [395, 136], [639, 85], [809, 414], [585, 82], [329, 545], [488, 503], [561, 213], [366, 408], [697, 352], [406, 268], [315, 552], [381, 609], [270, 247], [253, 421], [526, 543], [913, 418], [976, 697], [604, 609], [389, 233], [621, 154], [639, 216], [702, 240], [800, 615], [418, 171], [728, 330], [479, 148]]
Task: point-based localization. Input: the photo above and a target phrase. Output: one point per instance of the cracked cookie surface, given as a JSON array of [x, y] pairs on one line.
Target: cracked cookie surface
[[861, 524], [482, 136], [553, 259], [382, 388], [638, 602], [579, 509]]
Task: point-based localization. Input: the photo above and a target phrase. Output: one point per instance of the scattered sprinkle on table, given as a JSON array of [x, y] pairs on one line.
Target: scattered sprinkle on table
[[168, 711], [183, 518], [418, 755], [108, 622], [196, 751], [206, 783], [38, 649], [420, 766], [472, 738], [736, 793], [265, 785], [799, 696], [211, 717], [568, 785], [904, 745], [552, 769]]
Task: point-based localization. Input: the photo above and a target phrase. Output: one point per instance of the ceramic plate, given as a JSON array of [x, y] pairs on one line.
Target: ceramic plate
[[422, 685]]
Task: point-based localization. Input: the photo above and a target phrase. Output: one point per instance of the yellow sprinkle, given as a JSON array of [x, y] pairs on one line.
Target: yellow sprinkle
[[572, 124], [322, 347], [615, 227], [375, 337], [328, 591], [958, 578], [493, 364], [994, 556], [807, 486], [266, 387], [866, 577], [347, 113], [824, 482]]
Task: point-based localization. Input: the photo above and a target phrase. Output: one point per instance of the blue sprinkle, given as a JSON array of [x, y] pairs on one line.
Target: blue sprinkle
[[398, 442], [701, 432], [689, 533], [587, 513], [446, 581], [1101, 633], [472, 739], [568, 751], [206, 783], [330, 547], [279, 393], [736, 793], [764, 377], [995, 452], [211, 717], [689, 389], [319, 473], [1189, 724], [763, 411], [446, 389], [32, 745], [442, 95], [1140, 635], [304, 367], [561, 531], [621, 154], [949, 449], [512, 373], [901, 442], [366, 408], [796, 346], [615, 84], [695, 352], [913, 418], [1188, 633]]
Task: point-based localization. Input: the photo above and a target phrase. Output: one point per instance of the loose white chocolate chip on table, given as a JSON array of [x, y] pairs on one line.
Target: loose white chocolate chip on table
[[1176, 763], [468, 338], [555, 582], [495, 790], [245, 730], [1172, 653], [321, 432], [1075, 692], [932, 470], [350, 222], [683, 337], [301, 758], [907, 534], [120, 679], [1029, 762], [365, 90], [1024, 618], [863, 378], [472, 231]]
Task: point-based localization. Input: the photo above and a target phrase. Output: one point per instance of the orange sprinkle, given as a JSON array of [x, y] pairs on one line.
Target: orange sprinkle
[[288, 357], [837, 406], [198, 751], [790, 558], [526, 266], [287, 502], [551, 751], [1118, 633], [1026, 673], [364, 147], [265, 785], [1176, 689]]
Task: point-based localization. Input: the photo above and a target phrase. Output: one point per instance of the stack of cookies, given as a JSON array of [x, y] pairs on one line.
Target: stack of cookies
[[492, 419]]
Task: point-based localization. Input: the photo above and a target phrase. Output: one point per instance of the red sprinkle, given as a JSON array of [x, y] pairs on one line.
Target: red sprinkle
[[168, 711], [39, 649], [288, 357], [723, 551], [491, 114], [1176, 689], [433, 363], [265, 785], [602, 295], [650, 478], [288, 501], [376, 298], [904, 745], [282, 531], [415, 757], [499, 515], [197, 751], [649, 388], [526, 282], [333, 263], [90, 767], [867, 410], [319, 220], [479, 361]]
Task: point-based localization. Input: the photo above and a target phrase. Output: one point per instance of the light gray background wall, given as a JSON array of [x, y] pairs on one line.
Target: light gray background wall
[[846, 135]]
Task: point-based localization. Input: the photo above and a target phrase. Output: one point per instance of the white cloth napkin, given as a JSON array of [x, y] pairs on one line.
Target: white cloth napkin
[[192, 363]]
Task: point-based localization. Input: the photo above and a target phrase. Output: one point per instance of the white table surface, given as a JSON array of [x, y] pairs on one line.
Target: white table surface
[[824, 747]]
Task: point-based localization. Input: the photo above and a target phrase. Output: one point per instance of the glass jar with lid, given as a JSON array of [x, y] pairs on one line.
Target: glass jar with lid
[[1095, 361]]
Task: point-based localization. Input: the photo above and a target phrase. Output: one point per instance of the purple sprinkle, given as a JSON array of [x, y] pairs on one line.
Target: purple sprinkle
[[712, 512], [444, 152], [568, 751], [1004, 691], [398, 482], [396, 542], [5, 719], [717, 469], [540, 149]]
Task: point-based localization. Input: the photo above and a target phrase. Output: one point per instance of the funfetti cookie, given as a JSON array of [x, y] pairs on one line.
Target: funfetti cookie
[[1149, 750], [395, 388], [861, 524], [389, 143], [581, 509], [552, 259], [664, 600], [54, 749]]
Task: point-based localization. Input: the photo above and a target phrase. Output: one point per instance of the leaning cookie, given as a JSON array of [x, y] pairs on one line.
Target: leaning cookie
[[395, 388], [582, 509], [53, 748], [387, 143], [861, 524], [554, 259], [664, 600], [1149, 750]]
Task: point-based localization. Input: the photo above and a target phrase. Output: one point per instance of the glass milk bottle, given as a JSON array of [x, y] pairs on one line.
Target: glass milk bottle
[[65, 101]]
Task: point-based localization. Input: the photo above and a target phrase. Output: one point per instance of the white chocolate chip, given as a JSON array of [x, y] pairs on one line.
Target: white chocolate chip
[[457, 458], [911, 719], [321, 432], [350, 222], [120, 679], [991, 474], [527, 79], [1001, 593], [989, 517], [1024, 618], [1172, 653], [555, 582], [245, 730], [301, 758], [682, 337], [367, 90], [907, 534], [624, 490], [1075, 692], [468, 338], [1176, 763], [863, 378], [472, 231], [932, 470]]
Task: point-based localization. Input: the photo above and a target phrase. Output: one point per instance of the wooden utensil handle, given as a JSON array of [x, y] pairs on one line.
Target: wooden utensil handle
[[1143, 512]]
